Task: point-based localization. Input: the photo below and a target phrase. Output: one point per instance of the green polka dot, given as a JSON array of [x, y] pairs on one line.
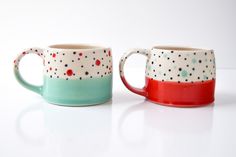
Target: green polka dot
[[184, 73], [205, 77], [194, 60]]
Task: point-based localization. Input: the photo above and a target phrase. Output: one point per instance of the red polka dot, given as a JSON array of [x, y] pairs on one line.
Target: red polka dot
[[80, 54], [109, 53], [23, 53], [14, 61], [97, 62], [53, 55], [50, 68], [69, 72]]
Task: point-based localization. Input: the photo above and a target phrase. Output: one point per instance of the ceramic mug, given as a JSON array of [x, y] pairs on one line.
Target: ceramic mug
[[74, 75], [176, 76]]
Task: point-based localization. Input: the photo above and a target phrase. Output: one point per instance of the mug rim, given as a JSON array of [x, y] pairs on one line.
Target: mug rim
[[75, 46], [179, 48]]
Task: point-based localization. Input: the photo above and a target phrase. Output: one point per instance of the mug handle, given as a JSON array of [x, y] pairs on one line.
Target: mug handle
[[139, 91], [19, 78]]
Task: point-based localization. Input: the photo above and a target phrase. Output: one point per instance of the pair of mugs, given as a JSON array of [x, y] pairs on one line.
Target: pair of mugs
[[81, 75]]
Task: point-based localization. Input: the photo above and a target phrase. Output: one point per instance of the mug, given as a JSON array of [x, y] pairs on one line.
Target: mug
[[74, 74], [176, 76]]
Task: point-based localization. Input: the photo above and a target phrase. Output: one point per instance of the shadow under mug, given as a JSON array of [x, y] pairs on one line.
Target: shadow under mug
[[74, 74], [176, 76]]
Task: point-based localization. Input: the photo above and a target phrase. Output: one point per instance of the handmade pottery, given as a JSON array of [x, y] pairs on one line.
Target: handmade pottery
[[176, 76], [74, 75]]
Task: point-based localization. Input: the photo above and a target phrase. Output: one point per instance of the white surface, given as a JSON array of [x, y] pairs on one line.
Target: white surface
[[126, 126], [120, 24]]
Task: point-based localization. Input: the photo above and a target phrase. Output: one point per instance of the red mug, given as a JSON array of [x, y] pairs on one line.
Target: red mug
[[176, 76]]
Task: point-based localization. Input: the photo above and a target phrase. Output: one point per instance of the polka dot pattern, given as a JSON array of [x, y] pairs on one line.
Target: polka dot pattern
[[37, 51], [73, 64], [187, 66], [144, 52], [181, 66]]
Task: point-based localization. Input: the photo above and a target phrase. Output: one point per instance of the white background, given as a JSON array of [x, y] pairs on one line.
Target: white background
[[121, 24]]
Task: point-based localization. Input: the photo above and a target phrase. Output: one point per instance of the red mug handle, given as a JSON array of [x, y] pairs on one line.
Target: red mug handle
[[139, 91]]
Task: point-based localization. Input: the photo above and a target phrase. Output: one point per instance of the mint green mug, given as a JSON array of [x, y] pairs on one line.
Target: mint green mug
[[74, 74]]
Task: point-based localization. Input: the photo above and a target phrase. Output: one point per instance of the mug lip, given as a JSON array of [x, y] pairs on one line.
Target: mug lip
[[76, 46], [180, 48]]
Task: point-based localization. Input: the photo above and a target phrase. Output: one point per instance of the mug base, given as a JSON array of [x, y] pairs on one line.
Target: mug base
[[85, 92], [79, 104], [180, 94], [169, 104]]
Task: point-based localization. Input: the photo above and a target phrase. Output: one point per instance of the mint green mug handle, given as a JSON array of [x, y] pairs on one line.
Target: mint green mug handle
[[19, 78]]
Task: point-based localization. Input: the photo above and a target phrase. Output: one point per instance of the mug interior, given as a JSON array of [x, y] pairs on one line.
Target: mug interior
[[73, 46], [176, 48]]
